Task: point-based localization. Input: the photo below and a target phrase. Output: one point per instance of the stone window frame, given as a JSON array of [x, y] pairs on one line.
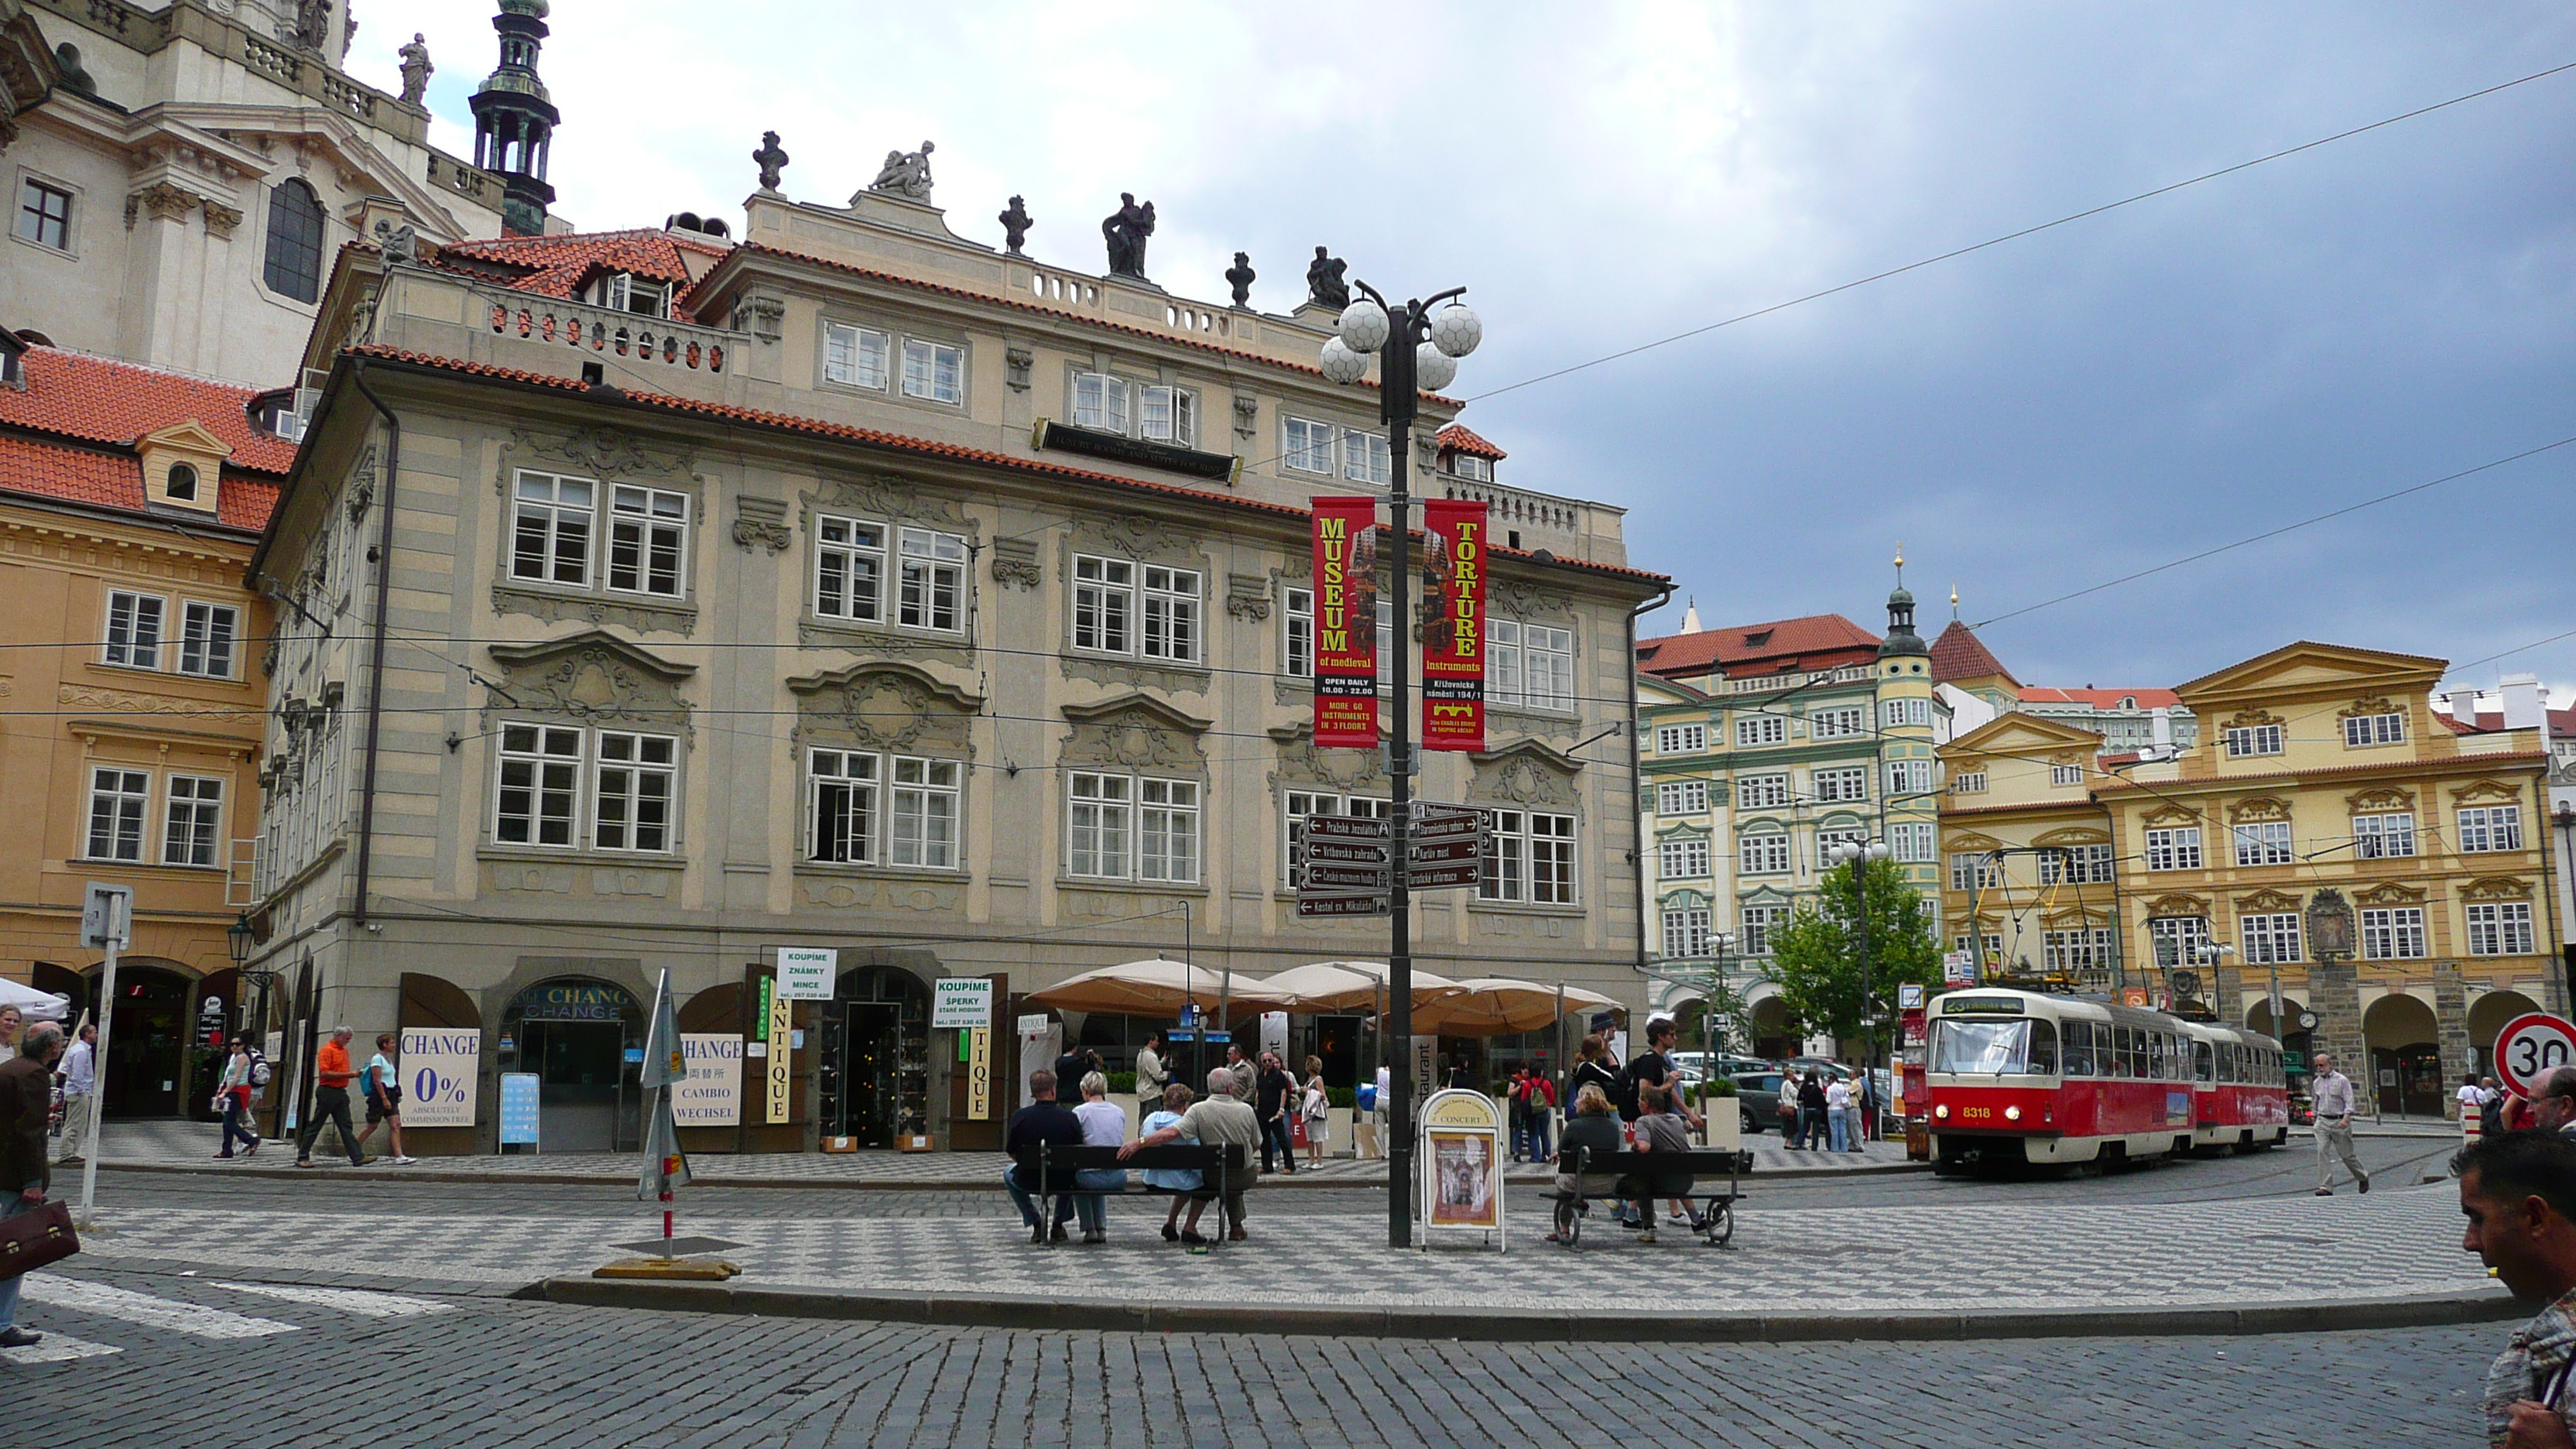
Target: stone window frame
[[1141, 542], [881, 832], [904, 725], [585, 844], [542, 684], [1075, 369], [893, 503], [606, 461], [897, 334], [75, 228]]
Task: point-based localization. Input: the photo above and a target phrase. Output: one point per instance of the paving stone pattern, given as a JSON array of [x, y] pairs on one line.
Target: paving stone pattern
[[483, 1370]]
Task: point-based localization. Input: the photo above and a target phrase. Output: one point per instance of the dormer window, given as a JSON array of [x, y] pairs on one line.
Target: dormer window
[[626, 292], [183, 483], [1471, 467], [182, 466]]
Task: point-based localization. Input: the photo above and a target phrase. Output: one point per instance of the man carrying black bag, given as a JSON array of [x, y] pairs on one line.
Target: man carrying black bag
[[26, 1109]]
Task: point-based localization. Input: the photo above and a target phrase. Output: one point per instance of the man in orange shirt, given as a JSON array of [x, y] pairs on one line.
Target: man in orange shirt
[[331, 1100]]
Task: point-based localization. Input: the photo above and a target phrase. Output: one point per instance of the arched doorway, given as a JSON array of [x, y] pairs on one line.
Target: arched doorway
[[874, 1071], [2405, 1061], [2487, 1017], [1772, 1036], [148, 1035], [584, 1040]]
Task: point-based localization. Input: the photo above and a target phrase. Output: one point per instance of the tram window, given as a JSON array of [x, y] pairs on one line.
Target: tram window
[[2204, 1061], [2227, 1061], [2043, 1049], [2079, 1049], [2124, 1051]]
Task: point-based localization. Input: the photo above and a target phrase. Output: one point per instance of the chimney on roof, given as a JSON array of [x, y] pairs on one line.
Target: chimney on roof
[[2522, 702], [2463, 706], [2160, 728]]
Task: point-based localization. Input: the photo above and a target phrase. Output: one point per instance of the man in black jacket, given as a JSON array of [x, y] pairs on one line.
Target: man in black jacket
[[26, 1113], [1273, 1090], [1042, 1120]]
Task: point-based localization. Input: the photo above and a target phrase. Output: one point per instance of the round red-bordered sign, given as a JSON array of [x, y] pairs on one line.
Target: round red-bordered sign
[[2530, 1047]]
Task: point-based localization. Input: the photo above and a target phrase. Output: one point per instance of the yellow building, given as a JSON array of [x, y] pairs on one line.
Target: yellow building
[[2332, 828], [133, 698]]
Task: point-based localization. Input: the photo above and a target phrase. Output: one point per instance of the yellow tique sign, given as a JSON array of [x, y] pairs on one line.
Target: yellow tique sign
[[979, 1074], [782, 1016]]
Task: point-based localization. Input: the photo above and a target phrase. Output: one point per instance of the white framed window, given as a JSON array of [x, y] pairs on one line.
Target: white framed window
[[934, 371], [1968, 782], [1753, 730], [1469, 466], [1104, 605], [849, 569], [539, 800], [1298, 806], [2394, 934], [2084, 951], [207, 635], [1762, 792], [2383, 837], [2500, 928], [1099, 840], [118, 802], [841, 807], [550, 529], [2490, 827], [2066, 774], [1684, 859], [648, 540], [192, 821], [2269, 940], [1681, 797], [2247, 741], [1843, 723], [1899, 713], [2177, 848], [1687, 739], [931, 580], [1754, 925], [1529, 858], [2075, 865], [44, 214], [134, 629], [2265, 842], [1989, 947], [1687, 933], [856, 356], [1763, 855], [1297, 633], [1167, 831], [1974, 870], [1168, 415], [1365, 458], [1826, 840], [1307, 445], [1100, 402], [1913, 842], [1842, 783], [1172, 606], [626, 292], [2361, 731], [2177, 940], [1530, 665], [631, 791], [922, 813], [1910, 777]]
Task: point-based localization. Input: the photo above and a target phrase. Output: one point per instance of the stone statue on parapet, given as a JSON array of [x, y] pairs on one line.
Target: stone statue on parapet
[[415, 70], [906, 174], [1015, 225], [771, 159], [1241, 276], [1324, 284], [1126, 230]]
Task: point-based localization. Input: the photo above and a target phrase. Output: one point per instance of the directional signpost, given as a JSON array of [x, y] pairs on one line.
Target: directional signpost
[[1345, 866]]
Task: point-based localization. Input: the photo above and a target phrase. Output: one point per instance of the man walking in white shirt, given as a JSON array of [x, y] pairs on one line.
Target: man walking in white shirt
[[80, 1078], [2331, 1093]]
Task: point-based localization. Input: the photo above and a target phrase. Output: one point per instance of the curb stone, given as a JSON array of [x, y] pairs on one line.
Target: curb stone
[[846, 1184]]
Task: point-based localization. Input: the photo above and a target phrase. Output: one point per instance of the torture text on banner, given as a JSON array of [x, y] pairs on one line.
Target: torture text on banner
[[1453, 624], [1346, 623]]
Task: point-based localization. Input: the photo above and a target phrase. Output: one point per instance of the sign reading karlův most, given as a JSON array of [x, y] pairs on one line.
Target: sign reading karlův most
[[570, 1001]]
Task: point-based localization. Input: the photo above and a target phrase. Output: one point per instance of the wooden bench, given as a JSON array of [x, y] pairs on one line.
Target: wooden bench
[[1641, 1169], [1046, 1170]]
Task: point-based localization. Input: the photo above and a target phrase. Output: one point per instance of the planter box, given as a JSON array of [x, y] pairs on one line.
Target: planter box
[[1725, 1125]]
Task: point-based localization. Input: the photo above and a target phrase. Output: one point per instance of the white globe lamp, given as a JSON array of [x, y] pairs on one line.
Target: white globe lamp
[[1364, 326], [1433, 369], [1341, 364], [1456, 330]]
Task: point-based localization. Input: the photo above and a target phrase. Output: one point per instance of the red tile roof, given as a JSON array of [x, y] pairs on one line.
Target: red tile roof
[[558, 266], [919, 446], [1815, 641], [2562, 722], [71, 395], [115, 480], [2101, 698], [1457, 437], [1960, 654]]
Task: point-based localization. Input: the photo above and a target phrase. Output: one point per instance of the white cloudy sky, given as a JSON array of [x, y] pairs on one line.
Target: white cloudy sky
[[2031, 420]]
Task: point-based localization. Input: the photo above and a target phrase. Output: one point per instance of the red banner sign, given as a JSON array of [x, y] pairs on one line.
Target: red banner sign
[[1453, 624], [1346, 623]]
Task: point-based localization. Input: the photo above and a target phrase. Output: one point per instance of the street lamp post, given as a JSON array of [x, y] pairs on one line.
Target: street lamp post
[[1724, 941], [1415, 349], [1858, 855]]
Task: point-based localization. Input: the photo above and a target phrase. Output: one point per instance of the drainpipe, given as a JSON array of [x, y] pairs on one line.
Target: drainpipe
[[1637, 778], [384, 561]]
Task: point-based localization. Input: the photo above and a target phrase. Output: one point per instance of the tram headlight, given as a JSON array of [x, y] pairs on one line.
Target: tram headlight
[[2012, 1114], [1942, 1111]]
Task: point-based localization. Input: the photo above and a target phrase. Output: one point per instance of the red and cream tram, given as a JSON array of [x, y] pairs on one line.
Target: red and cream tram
[[2051, 1079]]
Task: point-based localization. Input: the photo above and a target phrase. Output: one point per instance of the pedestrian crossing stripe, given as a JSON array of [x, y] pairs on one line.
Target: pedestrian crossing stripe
[[144, 1310], [57, 1348], [346, 1300]]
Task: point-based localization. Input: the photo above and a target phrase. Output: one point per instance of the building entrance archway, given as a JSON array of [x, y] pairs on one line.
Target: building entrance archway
[[584, 1040], [2405, 1057], [149, 1073], [2487, 1018], [874, 1072], [1772, 1036]]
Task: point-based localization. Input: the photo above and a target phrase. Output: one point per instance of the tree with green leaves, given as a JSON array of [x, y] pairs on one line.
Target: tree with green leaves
[[1816, 958]]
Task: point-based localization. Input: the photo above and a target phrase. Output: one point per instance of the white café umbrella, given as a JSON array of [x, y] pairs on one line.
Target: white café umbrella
[[1498, 1005], [1339, 986], [33, 1004], [1155, 987]]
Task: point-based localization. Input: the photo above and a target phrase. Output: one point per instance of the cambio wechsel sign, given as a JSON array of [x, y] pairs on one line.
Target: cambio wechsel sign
[[1453, 624], [1346, 623], [712, 1096]]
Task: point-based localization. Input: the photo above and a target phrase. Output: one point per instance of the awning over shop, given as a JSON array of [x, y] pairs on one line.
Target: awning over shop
[[1153, 988]]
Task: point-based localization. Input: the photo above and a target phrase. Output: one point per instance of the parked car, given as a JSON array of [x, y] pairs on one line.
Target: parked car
[[1757, 1094], [1832, 1071]]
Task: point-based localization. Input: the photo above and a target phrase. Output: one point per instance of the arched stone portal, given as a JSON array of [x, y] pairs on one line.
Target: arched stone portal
[[2405, 1056]]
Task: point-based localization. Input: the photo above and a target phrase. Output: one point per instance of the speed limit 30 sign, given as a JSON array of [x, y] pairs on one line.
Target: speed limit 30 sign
[[2530, 1047]]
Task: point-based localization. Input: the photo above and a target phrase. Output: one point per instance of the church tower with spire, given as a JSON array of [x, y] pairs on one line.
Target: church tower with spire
[[1911, 720], [514, 122]]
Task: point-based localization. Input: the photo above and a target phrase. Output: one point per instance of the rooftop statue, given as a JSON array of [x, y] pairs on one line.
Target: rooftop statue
[[772, 160], [1324, 284], [1126, 230], [906, 174], [415, 70]]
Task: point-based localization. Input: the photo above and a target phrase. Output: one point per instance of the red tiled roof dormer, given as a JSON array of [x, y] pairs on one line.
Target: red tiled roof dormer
[[1458, 438], [91, 399], [1960, 654], [1743, 651], [560, 266]]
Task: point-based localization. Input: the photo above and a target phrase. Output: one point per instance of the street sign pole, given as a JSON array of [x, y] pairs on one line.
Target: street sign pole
[[107, 916]]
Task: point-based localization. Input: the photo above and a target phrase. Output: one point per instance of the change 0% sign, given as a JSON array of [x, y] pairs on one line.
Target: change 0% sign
[[2530, 1047]]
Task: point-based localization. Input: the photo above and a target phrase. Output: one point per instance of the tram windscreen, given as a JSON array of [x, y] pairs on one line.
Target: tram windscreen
[[1981, 1048]]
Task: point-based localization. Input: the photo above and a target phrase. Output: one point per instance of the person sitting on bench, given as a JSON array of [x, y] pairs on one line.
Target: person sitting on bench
[[1595, 1132], [1661, 1129], [1042, 1120], [1221, 1120]]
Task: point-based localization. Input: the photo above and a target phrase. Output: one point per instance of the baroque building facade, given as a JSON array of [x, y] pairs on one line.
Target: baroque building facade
[[860, 588]]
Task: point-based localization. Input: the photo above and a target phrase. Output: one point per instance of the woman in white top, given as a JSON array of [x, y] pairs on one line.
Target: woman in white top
[[1317, 1108], [1103, 1125], [1838, 1115]]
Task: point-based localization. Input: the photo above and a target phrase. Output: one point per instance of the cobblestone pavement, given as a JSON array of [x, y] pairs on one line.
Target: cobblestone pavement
[[169, 1361]]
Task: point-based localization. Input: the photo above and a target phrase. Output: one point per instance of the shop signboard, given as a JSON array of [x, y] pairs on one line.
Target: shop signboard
[[441, 1068], [1345, 565], [1461, 1157], [778, 1073], [1453, 624], [805, 973], [712, 1096], [961, 1003], [519, 1110]]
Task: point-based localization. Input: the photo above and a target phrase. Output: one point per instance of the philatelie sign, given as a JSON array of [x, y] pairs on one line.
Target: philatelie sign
[[440, 1073], [712, 1096]]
